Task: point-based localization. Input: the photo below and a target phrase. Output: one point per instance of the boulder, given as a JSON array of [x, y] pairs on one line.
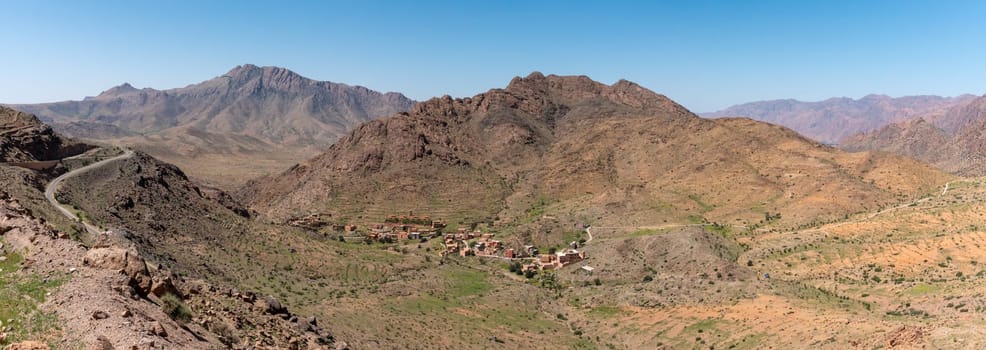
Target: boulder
[[275, 307], [162, 285], [124, 260], [158, 329]]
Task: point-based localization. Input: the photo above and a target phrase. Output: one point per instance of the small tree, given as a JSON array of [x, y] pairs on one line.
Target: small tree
[[516, 268]]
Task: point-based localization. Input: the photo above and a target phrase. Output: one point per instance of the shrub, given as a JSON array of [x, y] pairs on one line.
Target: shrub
[[175, 308], [516, 268]]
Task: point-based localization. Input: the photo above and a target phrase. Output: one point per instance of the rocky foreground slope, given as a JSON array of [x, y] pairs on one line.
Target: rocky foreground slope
[[105, 293], [107, 297], [580, 150]]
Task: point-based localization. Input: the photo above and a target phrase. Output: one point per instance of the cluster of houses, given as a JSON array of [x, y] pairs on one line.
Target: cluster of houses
[[464, 243], [399, 228], [557, 260]]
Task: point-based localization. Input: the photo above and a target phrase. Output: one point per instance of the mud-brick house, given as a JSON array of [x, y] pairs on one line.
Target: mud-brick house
[[570, 256], [509, 253]]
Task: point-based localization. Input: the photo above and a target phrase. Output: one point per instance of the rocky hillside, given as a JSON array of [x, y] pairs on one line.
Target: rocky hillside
[[156, 206], [953, 142], [268, 117], [24, 138], [570, 147], [831, 120], [107, 297]]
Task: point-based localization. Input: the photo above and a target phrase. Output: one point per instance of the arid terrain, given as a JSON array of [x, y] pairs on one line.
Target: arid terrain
[[580, 151], [832, 120], [953, 142], [248, 122], [678, 232]]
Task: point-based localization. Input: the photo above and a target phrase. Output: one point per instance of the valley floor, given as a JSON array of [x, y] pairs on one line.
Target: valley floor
[[906, 276]]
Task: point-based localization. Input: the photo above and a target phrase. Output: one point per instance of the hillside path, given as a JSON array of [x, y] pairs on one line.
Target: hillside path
[[53, 186]]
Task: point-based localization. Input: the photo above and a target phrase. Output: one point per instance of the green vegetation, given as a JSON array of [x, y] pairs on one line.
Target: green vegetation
[[463, 283], [175, 308], [722, 230], [20, 295], [922, 289], [698, 200], [605, 311], [696, 219], [701, 326], [644, 232]]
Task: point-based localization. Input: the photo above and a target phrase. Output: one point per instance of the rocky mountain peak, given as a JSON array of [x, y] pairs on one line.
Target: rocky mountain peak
[[118, 90], [268, 77]]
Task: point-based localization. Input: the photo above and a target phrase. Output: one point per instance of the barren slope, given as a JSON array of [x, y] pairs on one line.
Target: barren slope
[[570, 147], [267, 117]]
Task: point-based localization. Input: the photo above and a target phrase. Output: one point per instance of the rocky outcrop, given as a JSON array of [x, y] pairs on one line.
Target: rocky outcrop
[[23, 138], [127, 261]]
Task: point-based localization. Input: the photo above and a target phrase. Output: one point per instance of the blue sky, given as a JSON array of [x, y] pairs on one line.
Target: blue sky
[[707, 55]]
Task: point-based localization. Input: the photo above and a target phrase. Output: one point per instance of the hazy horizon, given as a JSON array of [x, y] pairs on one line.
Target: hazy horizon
[[706, 55]]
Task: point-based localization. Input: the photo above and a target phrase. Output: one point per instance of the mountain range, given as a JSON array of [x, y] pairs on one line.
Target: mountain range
[[954, 141], [834, 119], [578, 150], [725, 233], [244, 123]]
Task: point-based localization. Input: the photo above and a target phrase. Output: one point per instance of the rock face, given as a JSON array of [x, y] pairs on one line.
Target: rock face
[[124, 260], [832, 120], [23, 138], [954, 142], [581, 149]]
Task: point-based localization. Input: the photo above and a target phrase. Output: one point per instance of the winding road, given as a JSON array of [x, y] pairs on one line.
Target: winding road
[[53, 187]]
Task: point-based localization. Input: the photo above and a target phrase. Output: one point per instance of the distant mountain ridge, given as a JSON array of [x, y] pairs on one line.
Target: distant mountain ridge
[[831, 120], [954, 141], [268, 103], [249, 111]]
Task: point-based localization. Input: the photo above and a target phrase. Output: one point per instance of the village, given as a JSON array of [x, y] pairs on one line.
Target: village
[[464, 242]]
